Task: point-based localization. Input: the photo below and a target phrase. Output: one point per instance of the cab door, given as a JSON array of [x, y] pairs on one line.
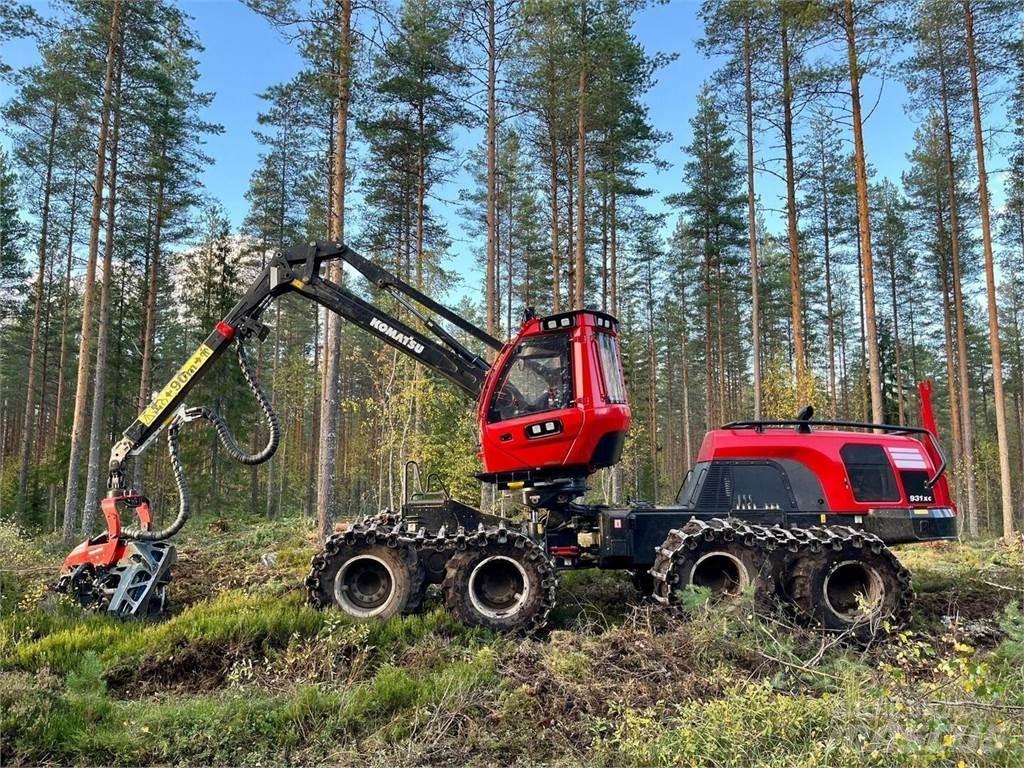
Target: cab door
[[532, 418]]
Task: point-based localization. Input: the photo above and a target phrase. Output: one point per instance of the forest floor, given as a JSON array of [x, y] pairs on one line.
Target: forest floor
[[245, 673]]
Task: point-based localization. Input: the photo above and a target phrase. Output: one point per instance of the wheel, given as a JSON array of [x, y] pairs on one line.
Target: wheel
[[726, 569], [365, 578], [509, 586], [716, 556], [852, 588]]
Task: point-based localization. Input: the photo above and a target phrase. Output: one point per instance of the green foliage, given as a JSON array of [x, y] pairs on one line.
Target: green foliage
[[1011, 650], [755, 725]]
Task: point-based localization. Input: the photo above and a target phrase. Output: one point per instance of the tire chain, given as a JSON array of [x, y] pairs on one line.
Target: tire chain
[[780, 546], [387, 528], [679, 540], [378, 529]]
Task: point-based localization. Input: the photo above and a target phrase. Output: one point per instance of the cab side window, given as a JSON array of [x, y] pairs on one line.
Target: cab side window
[[870, 473]]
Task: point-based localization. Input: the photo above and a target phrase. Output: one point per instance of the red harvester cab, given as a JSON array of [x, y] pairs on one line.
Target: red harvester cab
[[554, 404]]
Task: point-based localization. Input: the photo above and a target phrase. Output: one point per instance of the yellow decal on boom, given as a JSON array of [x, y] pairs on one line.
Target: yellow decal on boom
[[181, 378]]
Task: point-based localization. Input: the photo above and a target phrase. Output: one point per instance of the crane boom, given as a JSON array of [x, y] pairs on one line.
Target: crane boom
[[299, 270]]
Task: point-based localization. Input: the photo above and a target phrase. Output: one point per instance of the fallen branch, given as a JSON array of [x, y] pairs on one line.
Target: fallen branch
[[801, 667], [1003, 586], [978, 705]]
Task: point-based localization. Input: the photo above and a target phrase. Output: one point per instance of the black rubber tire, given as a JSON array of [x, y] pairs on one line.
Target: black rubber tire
[[823, 587], [526, 611], [402, 585], [691, 568]]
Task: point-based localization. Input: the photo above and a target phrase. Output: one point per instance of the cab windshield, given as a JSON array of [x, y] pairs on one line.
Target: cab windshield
[[537, 378]]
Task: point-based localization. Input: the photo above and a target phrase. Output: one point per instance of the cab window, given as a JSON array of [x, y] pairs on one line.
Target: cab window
[[537, 378], [611, 369], [871, 476]]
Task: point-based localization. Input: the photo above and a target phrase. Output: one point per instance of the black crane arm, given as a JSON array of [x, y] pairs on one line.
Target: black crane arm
[[299, 270]]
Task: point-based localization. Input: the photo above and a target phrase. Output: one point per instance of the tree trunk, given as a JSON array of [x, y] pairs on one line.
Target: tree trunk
[[85, 337], [58, 415], [958, 305], [947, 327], [41, 420], [491, 286], [580, 270], [795, 286], [613, 308], [314, 424], [864, 398], [25, 459], [613, 257], [829, 311], [556, 254], [510, 255], [687, 433], [990, 287], [709, 406], [332, 334], [896, 336], [604, 246], [570, 229], [864, 220], [149, 324], [755, 288], [99, 392]]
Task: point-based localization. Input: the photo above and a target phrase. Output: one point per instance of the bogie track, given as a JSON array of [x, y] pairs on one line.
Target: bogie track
[[493, 577], [836, 578], [832, 577]]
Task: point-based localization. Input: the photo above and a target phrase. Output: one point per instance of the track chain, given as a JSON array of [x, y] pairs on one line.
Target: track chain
[[387, 528], [760, 538], [782, 547], [532, 552], [378, 529]]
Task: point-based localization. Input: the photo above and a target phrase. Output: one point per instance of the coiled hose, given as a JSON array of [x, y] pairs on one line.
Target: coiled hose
[[227, 440]]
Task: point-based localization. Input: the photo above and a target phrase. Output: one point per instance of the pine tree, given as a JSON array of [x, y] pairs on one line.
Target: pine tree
[[712, 203], [1001, 18], [826, 196], [85, 335], [736, 28], [937, 81], [13, 235]]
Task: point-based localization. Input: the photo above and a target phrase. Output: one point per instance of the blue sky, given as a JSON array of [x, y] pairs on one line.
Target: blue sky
[[243, 55]]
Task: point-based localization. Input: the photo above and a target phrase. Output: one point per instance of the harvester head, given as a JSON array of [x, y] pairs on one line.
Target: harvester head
[[113, 574]]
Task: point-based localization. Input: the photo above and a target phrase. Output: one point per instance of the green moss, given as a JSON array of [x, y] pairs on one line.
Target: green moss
[[79, 722], [232, 619]]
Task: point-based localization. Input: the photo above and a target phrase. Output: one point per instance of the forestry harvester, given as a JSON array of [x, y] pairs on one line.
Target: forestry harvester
[[800, 511]]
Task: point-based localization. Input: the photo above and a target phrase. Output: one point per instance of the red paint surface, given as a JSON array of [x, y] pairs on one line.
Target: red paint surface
[[108, 548], [819, 452], [504, 445]]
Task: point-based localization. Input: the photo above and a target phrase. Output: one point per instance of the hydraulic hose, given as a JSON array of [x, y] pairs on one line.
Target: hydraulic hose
[[226, 439], [184, 501], [224, 431]]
